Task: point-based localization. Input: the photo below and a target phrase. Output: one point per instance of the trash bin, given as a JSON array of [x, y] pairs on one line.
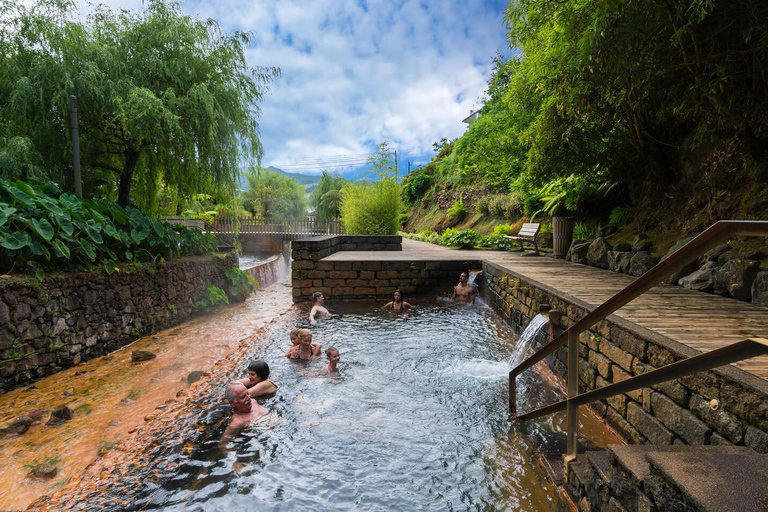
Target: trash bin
[[562, 235]]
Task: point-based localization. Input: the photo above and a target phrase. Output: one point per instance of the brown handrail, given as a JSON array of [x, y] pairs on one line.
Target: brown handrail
[[745, 349], [713, 236]]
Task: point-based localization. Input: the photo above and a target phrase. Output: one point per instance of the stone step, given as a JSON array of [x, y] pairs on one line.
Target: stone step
[[683, 478]]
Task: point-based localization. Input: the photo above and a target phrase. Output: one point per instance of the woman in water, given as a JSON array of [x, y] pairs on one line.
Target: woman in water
[[304, 350], [258, 382], [397, 303], [294, 334]]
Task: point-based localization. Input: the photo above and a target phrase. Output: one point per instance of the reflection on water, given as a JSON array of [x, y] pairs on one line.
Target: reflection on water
[[417, 420]]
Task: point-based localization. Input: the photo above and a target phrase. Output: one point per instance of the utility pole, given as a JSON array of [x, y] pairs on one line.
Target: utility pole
[[75, 145], [395, 165]]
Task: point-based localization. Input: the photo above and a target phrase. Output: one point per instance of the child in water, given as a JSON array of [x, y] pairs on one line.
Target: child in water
[[294, 334], [305, 348], [333, 355]]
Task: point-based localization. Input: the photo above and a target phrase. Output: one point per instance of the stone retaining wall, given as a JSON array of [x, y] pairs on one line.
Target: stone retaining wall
[[676, 412], [54, 324], [366, 279]]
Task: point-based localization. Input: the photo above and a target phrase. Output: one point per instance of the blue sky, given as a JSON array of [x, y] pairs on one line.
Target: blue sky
[[356, 73]]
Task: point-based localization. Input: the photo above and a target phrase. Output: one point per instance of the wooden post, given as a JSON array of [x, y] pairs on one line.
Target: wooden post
[[572, 410]]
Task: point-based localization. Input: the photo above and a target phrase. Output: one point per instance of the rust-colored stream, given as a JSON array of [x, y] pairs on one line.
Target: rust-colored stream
[[111, 395]]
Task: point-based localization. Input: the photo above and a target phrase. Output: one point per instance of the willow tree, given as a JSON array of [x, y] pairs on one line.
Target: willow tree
[[162, 95]]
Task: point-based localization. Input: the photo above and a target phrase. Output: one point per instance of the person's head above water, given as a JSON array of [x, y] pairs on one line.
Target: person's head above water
[[333, 355], [397, 296], [305, 336], [543, 308], [464, 277], [294, 334], [258, 371], [318, 297], [237, 395]]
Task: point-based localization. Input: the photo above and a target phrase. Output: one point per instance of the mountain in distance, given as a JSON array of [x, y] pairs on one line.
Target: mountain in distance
[[310, 180]]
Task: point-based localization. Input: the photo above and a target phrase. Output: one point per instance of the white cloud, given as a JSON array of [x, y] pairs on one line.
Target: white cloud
[[357, 72]]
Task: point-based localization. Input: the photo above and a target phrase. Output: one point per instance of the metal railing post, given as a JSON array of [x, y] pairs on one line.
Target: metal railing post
[[572, 411]]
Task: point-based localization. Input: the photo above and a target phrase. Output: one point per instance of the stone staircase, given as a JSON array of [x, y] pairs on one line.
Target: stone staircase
[[646, 478]]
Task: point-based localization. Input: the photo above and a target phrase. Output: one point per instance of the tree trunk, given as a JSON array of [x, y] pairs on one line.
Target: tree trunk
[[126, 177]]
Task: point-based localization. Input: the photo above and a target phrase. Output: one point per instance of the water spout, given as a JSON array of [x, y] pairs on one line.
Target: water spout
[[526, 340]]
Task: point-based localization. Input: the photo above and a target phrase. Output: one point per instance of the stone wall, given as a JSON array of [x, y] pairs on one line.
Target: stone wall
[[676, 412], [366, 279], [54, 324]]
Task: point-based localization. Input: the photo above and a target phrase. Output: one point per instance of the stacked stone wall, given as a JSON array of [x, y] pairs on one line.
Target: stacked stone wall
[[54, 324], [677, 412], [366, 279]]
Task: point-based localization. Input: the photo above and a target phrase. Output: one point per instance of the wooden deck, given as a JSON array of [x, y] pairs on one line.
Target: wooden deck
[[699, 320]]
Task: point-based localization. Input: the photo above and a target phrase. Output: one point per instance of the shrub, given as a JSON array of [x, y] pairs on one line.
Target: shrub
[[402, 219], [415, 186], [42, 228], [240, 284], [483, 205], [457, 211], [503, 229], [581, 231], [546, 228], [371, 208], [496, 241], [464, 239], [619, 215], [214, 298]]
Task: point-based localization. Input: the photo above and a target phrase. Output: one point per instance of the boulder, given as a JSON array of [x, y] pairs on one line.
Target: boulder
[[641, 263], [45, 471], [619, 261], [687, 269], [142, 355], [743, 253], [607, 230], [195, 376], [703, 279], [641, 243], [760, 288], [622, 247], [60, 415], [597, 254], [578, 253], [714, 254], [18, 426], [735, 278]]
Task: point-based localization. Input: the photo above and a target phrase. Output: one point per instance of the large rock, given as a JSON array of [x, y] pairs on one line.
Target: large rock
[[142, 355], [760, 289], [743, 253], [735, 278], [703, 279], [578, 253], [641, 263], [18, 426], [597, 255], [641, 243], [714, 254], [619, 261], [60, 415], [687, 269]]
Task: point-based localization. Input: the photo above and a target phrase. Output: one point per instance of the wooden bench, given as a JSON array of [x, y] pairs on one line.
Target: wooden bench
[[527, 233]]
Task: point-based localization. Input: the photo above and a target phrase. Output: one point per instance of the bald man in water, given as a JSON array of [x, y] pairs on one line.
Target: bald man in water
[[245, 410]]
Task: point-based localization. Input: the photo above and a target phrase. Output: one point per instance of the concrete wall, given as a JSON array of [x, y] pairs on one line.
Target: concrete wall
[[54, 324], [677, 412]]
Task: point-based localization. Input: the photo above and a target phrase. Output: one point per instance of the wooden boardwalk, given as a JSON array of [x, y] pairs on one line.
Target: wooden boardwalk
[[699, 320]]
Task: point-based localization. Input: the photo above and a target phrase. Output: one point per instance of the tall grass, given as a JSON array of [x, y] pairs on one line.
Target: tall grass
[[371, 208]]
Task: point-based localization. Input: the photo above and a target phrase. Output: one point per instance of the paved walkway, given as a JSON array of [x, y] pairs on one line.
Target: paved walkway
[[699, 320]]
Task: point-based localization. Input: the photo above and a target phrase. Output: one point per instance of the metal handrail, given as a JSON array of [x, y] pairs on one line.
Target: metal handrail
[[713, 236]]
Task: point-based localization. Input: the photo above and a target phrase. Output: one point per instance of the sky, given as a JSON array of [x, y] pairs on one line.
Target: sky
[[358, 72]]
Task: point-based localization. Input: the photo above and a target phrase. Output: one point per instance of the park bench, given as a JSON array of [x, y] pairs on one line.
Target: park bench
[[527, 233]]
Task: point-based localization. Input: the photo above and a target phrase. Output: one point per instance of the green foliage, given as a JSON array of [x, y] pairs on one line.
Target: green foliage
[[619, 215], [326, 196], [214, 298], [240, 283], [415, 186], [581, 231], [373, 208], [403, 218], [42, 228], [163, 97], [457, 211], [464, 239], [546, 228], [271, 194]]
